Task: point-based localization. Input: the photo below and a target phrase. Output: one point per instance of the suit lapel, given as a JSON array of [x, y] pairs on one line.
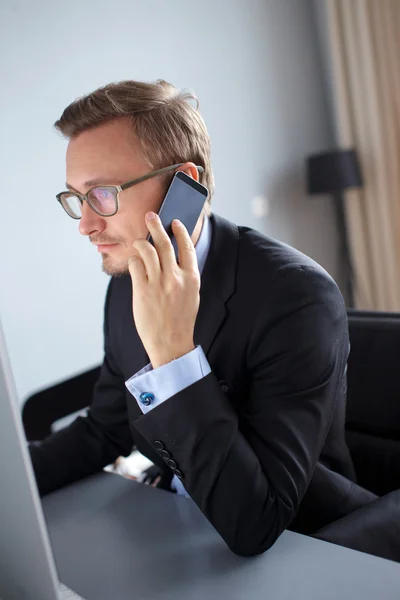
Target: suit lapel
[[217, 281]]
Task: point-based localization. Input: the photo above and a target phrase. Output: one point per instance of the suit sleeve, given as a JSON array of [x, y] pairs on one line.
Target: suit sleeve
[[92, 442], [248, 469]]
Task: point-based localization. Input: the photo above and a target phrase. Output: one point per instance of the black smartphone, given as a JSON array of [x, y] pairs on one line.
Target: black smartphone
[[184, 200]]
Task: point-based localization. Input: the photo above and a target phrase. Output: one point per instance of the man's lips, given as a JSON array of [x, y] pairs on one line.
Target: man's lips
[[105, 247]]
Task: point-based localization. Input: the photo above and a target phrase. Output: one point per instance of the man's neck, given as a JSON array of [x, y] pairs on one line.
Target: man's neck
[[197, 230]]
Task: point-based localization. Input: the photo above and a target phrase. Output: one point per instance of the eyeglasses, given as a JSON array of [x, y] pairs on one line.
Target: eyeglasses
[[104, 200]]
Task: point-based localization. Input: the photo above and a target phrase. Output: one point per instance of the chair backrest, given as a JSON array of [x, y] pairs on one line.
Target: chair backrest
[[42, 409], [373, 398]]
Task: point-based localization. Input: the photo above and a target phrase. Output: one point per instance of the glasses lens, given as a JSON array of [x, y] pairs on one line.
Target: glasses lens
[[103, 200], [71, 205]]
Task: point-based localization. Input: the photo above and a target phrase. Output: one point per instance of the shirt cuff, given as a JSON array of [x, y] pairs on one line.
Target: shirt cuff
[[151, 387]]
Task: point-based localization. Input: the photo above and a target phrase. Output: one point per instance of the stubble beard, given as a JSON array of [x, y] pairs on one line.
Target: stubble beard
[[114, 268]]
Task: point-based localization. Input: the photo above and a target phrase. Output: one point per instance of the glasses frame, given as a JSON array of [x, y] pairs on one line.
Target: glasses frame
[[117, 190]]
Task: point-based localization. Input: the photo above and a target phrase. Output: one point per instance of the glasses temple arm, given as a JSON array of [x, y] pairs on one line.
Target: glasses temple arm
[[154, 174]]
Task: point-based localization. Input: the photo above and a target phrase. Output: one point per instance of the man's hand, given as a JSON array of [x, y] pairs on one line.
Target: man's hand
[[165, 294]]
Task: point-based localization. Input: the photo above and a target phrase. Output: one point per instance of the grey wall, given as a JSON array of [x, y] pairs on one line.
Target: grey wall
[[255, 67], [325, 57]]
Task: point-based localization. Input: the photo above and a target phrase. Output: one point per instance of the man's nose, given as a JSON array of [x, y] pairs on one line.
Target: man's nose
[[90, 221]]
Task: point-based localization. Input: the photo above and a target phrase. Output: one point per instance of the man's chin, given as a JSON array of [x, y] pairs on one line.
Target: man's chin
[[113, 267]]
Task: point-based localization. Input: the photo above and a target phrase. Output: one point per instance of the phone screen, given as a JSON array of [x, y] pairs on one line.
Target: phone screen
[[184, 200]]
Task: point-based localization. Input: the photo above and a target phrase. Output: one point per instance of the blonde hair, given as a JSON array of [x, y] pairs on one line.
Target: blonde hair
[[170, 129]]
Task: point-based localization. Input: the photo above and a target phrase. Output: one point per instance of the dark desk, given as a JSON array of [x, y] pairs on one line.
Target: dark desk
[[116, 539]]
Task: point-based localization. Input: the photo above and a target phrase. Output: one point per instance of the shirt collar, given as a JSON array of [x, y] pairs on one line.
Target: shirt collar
[[203, 243]]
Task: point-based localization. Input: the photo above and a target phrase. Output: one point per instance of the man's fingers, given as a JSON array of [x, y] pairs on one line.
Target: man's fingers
[[162, 242], [137, 272], [149, 257], [186, 249]]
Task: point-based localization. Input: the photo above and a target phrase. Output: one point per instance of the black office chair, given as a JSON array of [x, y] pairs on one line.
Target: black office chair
[[373, 400], [42, 409]]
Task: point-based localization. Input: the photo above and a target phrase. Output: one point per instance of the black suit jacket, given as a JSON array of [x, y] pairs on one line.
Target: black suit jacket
[[260, 440]]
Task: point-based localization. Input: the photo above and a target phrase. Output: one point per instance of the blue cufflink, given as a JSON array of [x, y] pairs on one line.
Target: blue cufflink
[[146, 398]]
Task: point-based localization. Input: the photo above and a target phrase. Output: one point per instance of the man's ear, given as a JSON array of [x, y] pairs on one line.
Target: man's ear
[[190, 169]]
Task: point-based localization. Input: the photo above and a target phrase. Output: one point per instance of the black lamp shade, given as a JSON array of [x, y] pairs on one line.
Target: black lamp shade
[[332, 172]]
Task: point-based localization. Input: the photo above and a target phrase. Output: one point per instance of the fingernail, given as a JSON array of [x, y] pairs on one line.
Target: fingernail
[[150, 215]]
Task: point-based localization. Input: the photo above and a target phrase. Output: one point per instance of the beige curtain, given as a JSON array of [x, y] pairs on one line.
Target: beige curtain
[[364, 37]]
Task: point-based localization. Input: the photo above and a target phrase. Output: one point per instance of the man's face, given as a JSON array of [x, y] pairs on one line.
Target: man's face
[[110, 154]]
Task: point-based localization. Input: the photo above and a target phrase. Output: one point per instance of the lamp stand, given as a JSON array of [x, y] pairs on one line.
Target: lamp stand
[[345, 254]]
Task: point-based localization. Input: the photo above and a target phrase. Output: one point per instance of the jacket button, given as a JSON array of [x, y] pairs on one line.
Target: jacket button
[[165, 454], [223, 386], [171, 463], [179, 473], [146, 398], [159, 445]]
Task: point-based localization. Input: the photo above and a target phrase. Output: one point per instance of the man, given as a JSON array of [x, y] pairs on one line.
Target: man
[[226, 368]]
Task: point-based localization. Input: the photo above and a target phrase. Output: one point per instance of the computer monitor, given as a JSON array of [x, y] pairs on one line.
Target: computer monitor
[[27, 567]]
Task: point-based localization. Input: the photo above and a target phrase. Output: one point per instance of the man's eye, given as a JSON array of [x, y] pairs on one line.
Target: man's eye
[[101, 194]]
